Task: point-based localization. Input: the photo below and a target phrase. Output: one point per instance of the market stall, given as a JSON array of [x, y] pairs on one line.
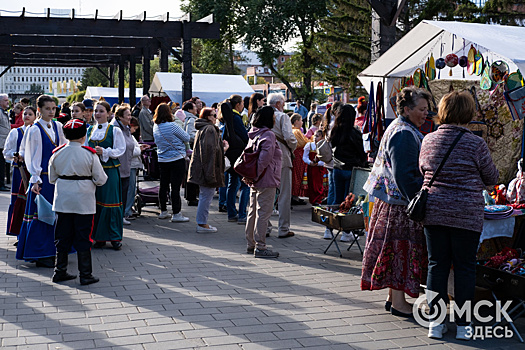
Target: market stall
[[485, 60], [110, 94]]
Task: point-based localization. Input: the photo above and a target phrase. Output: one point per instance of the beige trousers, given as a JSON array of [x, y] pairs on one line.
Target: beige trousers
[[259, 212]]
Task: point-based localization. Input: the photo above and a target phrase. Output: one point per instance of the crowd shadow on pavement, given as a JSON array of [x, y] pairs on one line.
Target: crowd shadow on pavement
[[171, 288]]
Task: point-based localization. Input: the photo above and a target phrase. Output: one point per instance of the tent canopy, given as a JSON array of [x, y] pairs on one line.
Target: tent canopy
[[440, 38], [209, 88], [110, 94]]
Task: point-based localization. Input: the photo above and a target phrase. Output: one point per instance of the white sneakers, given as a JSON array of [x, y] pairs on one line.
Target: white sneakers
[[327, 234], [347, 237], [174, 218], [164, 215], [179, 218], [275, 212], [126, 222], [210, 229], [464, 332], [436, 330]]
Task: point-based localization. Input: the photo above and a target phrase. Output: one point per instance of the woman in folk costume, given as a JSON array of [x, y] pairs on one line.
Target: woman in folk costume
[[11, 153], [317, 191], [516, 192], [36, 241], [108, 141], [299, 167]]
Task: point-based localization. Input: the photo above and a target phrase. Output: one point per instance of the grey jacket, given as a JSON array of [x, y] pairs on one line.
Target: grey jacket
[[146, 125], [5, 127]]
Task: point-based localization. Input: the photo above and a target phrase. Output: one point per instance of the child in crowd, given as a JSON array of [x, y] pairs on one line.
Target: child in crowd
[[316, 171], [316, 123], [76, 171], [36, 241]]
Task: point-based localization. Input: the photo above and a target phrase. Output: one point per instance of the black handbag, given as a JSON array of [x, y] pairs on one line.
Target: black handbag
[[417, 206]]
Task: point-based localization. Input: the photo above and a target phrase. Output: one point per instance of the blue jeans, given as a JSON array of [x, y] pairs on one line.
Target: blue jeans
[[205, 198], [231, 196], [330, 200], [448, 245], [222, 190], [341, 184]]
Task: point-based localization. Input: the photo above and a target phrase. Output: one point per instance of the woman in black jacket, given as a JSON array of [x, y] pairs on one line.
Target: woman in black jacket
[[348, 151]]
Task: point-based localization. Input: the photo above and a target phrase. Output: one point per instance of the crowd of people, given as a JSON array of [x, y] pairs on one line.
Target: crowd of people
[[96, 152]]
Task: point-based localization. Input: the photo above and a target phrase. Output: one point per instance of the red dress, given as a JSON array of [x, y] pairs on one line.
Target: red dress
[[298, 170], [317, 191]]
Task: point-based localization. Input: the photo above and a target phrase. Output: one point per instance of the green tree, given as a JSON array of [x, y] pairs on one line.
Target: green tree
[[344, 42], [504, 12], [269, 24], [216, 56], [35, 89], [93, 77]]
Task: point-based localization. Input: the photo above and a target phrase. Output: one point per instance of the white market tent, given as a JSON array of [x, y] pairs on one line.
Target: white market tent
[[109, 94], [209, 88], [441, 38]]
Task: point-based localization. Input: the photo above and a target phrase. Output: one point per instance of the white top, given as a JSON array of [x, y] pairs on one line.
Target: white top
[[75, 196], [32, 151], [310, 146], [10, 143], [119, 144]]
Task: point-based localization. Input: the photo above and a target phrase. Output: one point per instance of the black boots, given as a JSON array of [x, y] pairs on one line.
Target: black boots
[[46, 262], [61, 274], [85, 268]]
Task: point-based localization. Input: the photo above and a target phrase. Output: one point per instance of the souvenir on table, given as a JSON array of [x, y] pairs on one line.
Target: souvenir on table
[[516, 192], [485, 82], [471, 63], [498, 70], [479, 63], [514, 80]]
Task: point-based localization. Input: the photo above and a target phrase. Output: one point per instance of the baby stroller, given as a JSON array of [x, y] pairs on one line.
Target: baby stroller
[[148, 195]]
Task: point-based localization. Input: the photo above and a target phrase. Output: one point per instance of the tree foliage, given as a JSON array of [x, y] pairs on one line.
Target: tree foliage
[[269, 24], [344, 42], [35, 89], [505, 12]]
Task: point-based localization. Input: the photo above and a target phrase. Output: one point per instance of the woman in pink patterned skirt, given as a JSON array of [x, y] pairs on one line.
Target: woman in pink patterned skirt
[[396, 255]]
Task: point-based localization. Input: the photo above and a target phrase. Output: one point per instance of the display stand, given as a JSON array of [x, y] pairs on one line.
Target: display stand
[[339, 223], [516, 312]]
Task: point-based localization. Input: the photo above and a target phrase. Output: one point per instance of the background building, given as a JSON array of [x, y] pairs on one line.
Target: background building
[[18, 80]]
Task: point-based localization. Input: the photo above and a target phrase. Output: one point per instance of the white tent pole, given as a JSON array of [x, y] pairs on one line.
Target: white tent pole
[[420, 47]]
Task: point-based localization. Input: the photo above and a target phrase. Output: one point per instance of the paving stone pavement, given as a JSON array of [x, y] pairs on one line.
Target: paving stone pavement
[[171, 288]]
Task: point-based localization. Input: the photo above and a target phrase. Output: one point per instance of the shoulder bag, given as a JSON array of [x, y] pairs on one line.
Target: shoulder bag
[[417, 207], [246, 164]]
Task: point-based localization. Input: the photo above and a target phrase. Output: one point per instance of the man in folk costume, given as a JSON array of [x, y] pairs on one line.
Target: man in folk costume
[[36, 241], [76, 171]]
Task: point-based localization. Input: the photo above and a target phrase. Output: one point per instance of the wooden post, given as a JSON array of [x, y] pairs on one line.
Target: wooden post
[[132, 82], [163, 59], [121, 66], [112, 76], [145, 73], [186, 62]]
